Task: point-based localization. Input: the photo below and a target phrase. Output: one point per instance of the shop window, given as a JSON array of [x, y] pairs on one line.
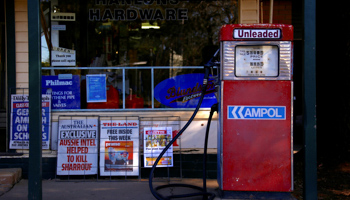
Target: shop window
[[139, 46]]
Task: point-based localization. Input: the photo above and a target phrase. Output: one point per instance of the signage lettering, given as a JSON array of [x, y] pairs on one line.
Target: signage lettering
[[257, 33], [134, 13], [257, 112]]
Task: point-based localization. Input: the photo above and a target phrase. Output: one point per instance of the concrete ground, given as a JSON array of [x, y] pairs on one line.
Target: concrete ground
[[12, 187], [84, 190]]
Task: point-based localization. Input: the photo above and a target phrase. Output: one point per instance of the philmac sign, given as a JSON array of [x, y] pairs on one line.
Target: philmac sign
[[257, 33]]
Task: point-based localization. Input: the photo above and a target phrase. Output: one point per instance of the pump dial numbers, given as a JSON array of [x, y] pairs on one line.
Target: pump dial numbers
[[253, 54], [256, 61]]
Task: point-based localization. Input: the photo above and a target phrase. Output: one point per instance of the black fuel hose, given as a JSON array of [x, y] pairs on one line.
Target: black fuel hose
[[203, 191], [214, 108]]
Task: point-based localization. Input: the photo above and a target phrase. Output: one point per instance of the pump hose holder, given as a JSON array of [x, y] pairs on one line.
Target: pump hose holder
[[203, 191]]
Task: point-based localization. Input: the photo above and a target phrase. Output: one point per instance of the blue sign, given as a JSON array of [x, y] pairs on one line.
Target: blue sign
[[64, 91], [184, 91], [96, 88], [257, 112]]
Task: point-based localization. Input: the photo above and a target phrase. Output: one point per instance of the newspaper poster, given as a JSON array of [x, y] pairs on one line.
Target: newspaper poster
[[172, 122], [19, 130], [155, 140], [77, 146], [119, 148]]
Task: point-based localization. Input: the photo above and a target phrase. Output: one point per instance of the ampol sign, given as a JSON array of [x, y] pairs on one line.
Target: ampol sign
[[257, 112], [184, 91]]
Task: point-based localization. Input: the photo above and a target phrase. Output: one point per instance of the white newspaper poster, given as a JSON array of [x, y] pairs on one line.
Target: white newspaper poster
[[77, 147], [19, 130], [155, 140], [172, 122], [119, 148]]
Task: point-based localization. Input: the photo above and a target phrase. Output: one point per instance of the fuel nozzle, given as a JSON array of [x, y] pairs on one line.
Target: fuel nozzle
[[207, 69]]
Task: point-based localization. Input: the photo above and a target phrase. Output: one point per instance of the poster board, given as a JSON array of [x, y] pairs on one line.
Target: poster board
[[155, 140], [119, 146], [77, 146], [162, 121], [19, 128]]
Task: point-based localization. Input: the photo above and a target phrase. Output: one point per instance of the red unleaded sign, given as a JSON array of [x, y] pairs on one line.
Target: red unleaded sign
[[257, 33]]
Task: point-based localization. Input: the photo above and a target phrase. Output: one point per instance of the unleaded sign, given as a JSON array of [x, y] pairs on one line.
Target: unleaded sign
[[257, 33]]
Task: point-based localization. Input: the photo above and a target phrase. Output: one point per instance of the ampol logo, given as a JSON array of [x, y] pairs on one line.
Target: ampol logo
[[184, 91]]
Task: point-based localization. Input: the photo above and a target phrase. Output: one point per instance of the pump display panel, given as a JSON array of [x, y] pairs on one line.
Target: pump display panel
[[257, 60]]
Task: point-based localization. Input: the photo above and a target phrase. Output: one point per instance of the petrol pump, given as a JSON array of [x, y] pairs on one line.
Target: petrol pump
[[255, 147]]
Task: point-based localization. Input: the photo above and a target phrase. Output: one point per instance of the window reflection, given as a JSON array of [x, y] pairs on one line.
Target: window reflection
[[126, 39]]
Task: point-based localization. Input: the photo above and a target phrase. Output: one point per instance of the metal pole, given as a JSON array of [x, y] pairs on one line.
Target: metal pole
[[309, 103], [271, 12], [35, 141], [10, 59]]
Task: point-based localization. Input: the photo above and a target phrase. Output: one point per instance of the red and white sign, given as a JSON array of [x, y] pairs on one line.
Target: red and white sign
[[77, 147], [257, 33]]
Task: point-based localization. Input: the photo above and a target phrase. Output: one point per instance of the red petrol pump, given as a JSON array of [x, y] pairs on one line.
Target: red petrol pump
[[255, 144], [255, 109]]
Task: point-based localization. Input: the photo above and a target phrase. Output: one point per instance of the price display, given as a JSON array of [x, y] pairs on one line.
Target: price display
[[256, 61]]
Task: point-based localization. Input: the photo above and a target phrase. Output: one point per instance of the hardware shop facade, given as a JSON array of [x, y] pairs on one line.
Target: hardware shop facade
[[111, 64]]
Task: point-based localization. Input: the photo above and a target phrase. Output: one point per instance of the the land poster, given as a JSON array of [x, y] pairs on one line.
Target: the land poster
[[119, 147]]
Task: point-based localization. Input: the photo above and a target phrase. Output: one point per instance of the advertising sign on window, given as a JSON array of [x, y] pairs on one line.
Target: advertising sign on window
[[119, 148], [77, 147], [96, 88], [19, 137], [184, 91], [155, 140], [64, 90]]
